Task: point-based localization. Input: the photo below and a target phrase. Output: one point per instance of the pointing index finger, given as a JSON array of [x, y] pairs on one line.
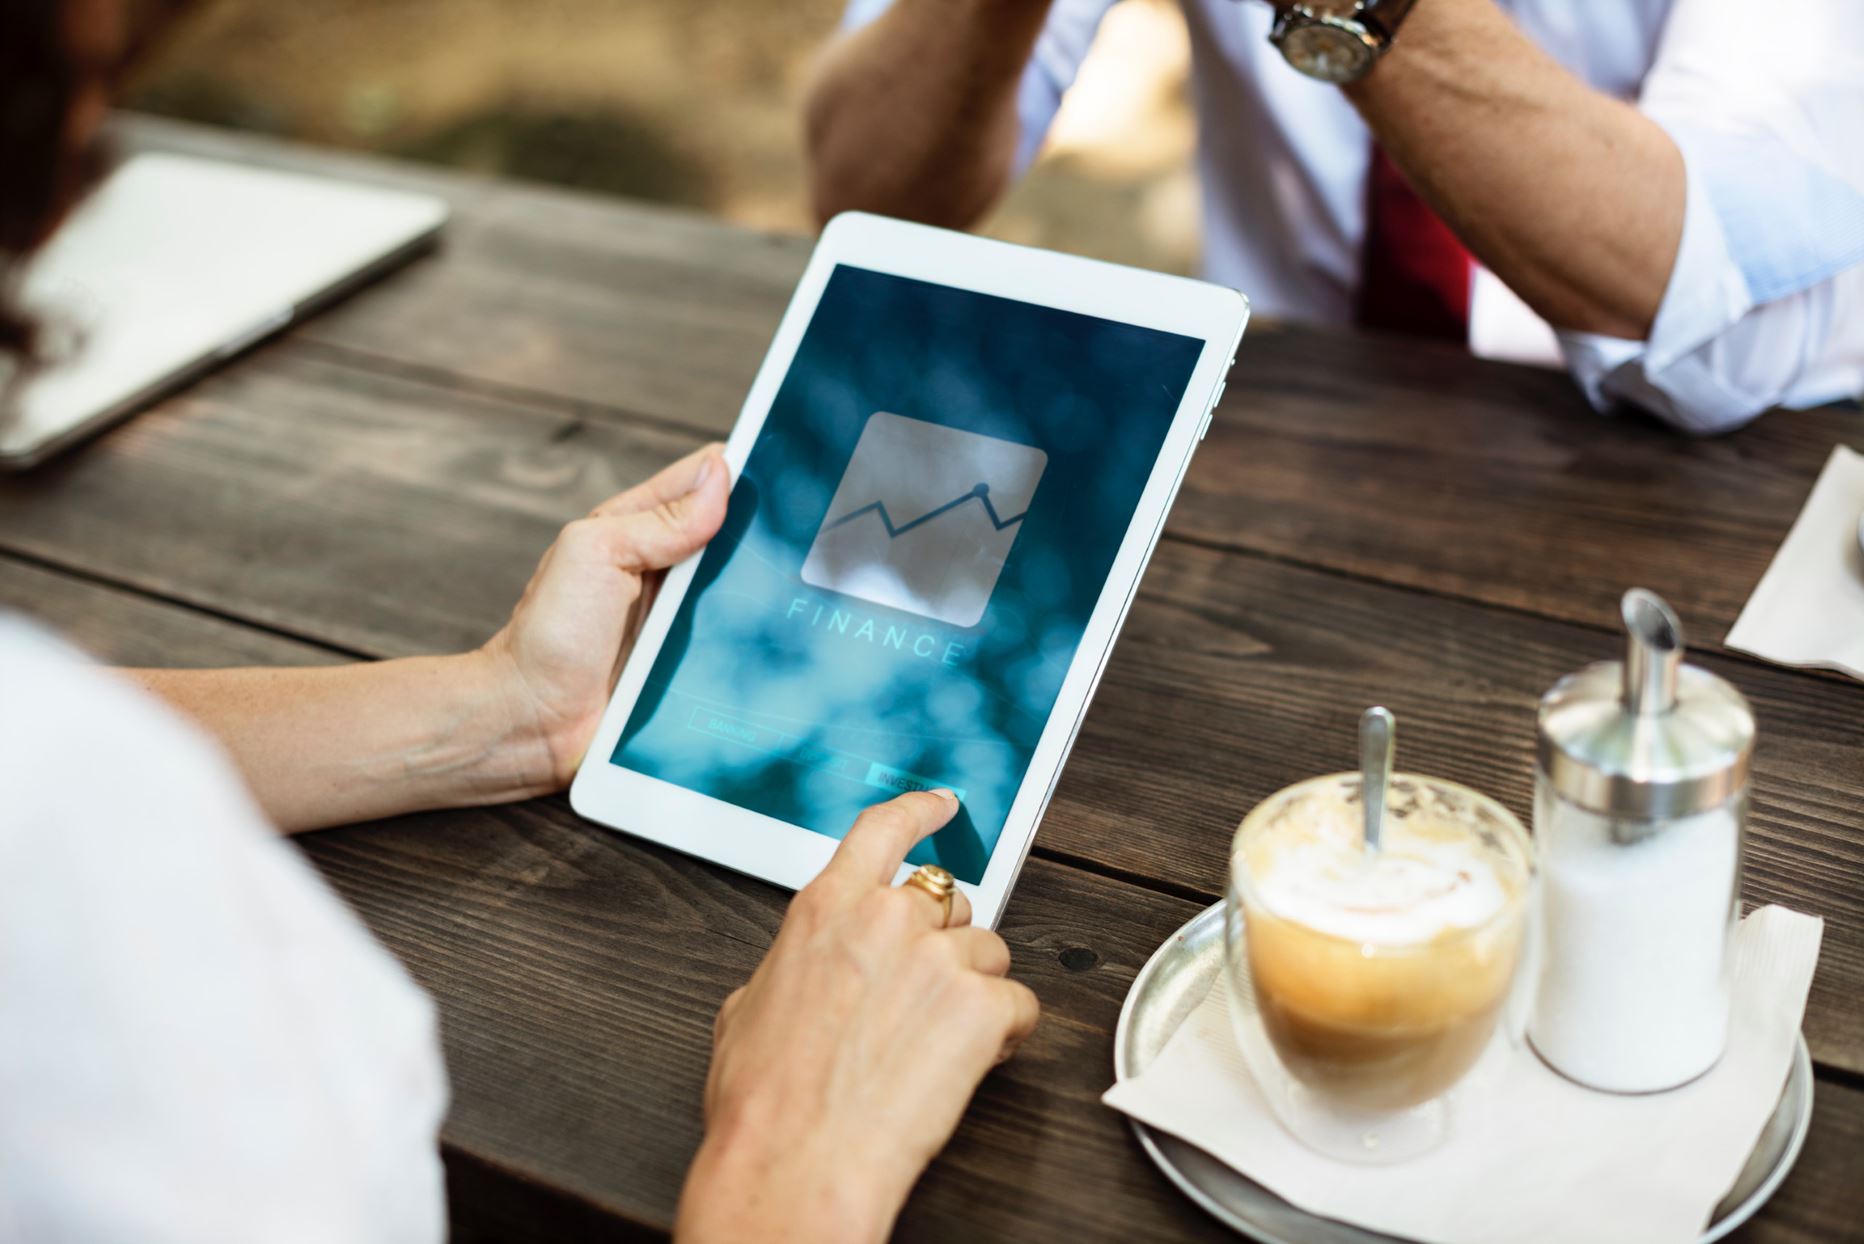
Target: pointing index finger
[[877, 845]]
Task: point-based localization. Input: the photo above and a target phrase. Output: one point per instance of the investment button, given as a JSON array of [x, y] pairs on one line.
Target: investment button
[[899, 780]]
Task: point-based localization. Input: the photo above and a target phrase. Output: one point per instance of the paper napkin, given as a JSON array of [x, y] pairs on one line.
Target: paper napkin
[[1541, 1159], [1809, 607]]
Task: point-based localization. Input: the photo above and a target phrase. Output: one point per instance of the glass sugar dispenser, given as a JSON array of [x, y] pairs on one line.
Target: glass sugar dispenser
[[1640, 811]]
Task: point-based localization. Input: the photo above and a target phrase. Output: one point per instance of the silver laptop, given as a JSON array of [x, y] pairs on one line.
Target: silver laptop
[[174, 264]]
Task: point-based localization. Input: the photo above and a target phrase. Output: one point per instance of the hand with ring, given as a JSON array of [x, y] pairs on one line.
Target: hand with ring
[[942, 887], [842, 1068]]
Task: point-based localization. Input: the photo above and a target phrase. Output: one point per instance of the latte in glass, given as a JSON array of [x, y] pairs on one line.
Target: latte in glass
[[1376, 977]]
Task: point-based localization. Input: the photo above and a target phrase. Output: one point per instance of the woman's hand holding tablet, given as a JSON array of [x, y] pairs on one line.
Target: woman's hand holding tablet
[[576, 622], [511, 719], [950, 473]]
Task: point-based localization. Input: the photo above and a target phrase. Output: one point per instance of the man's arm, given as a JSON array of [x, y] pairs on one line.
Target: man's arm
[[914, 114], [1572, 198]]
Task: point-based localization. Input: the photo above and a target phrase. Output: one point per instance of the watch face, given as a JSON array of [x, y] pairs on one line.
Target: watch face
[[1328, 52]]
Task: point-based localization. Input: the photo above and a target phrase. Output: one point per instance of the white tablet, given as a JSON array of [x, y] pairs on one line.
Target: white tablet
[[949, 475]]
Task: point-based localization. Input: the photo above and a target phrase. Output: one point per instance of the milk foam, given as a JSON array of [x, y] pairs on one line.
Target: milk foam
[[1420, 886]]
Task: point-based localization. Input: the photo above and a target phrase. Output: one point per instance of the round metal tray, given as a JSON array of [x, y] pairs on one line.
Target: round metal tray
[[1179, 975]]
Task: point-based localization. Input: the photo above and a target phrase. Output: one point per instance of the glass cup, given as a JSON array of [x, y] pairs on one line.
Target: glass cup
[[1365, 986]]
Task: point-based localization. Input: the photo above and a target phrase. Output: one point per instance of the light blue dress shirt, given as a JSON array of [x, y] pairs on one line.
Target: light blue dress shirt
[[1765, 304]]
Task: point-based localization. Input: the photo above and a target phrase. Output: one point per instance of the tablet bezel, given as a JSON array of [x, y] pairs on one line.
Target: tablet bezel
[[789, 855]]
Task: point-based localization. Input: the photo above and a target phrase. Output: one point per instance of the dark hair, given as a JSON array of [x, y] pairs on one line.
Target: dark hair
[[41, 174], [38, 174]]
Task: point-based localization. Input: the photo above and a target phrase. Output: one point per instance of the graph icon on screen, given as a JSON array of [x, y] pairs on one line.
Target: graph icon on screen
[[924, 517]]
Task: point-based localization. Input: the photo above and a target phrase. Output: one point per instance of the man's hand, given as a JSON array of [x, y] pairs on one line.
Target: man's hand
[[842, 1068], [1573, 198], [914, 114], [559, 656]]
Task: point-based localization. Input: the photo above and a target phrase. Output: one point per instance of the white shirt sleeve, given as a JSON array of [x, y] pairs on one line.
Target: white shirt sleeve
[[199, 1044], [1060, 48], [1765, 304]]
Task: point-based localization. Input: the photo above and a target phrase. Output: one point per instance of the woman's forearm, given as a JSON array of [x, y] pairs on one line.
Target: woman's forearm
[[1573, 198], [331, 745], [506, 721]]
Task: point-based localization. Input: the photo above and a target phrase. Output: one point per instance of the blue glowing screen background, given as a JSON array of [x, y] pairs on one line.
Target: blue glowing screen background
[[910, 557]]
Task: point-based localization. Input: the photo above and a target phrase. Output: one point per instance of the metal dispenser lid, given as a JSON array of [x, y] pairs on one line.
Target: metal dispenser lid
[[1649, 738]]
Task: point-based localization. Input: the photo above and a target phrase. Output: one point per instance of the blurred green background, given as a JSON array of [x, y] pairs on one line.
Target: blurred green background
[[681, 101]]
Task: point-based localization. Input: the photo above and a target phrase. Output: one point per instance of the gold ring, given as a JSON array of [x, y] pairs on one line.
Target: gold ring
[[936, 881]]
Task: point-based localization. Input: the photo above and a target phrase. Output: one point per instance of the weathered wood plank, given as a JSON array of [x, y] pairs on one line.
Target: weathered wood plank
[[566, 954], [613, 959], [296, 493], [125, 629], [576, 972], [1414, 464], [1822, 1200], [385, 517], [1390, 459]]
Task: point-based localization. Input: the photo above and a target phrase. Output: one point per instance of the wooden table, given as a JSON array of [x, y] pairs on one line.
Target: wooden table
[[1369, 520]]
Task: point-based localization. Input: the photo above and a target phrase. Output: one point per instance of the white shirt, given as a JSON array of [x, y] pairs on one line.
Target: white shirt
[[1765, 304], [199, 1044]]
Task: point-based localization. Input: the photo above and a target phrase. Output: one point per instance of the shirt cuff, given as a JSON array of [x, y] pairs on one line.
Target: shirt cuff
[[1705, 297], [1038, 99]]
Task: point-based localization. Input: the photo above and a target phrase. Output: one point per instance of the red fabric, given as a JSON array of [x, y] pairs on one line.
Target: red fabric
[[1414, 275]]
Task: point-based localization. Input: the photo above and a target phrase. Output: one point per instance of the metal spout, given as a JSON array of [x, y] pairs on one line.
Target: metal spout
[[1653, 654]]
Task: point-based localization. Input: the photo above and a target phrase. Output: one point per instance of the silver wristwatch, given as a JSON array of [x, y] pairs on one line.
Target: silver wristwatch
[[1337, 40]]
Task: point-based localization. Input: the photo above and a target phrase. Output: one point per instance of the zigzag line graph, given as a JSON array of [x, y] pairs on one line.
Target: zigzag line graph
[[980, 493]]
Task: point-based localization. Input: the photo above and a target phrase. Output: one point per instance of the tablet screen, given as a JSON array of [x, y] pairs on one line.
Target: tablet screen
[[911, 555]]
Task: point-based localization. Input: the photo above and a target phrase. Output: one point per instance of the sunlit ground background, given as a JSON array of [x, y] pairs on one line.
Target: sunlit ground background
[[694, 102]]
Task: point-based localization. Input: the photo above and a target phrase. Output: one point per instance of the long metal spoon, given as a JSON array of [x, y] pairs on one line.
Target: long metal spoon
[[1375, 767]]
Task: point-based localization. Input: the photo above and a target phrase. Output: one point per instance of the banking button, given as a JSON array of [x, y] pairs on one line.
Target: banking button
[[721, 726]]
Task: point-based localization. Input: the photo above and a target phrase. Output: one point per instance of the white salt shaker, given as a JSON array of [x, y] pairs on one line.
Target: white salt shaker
[[1640, 806]]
